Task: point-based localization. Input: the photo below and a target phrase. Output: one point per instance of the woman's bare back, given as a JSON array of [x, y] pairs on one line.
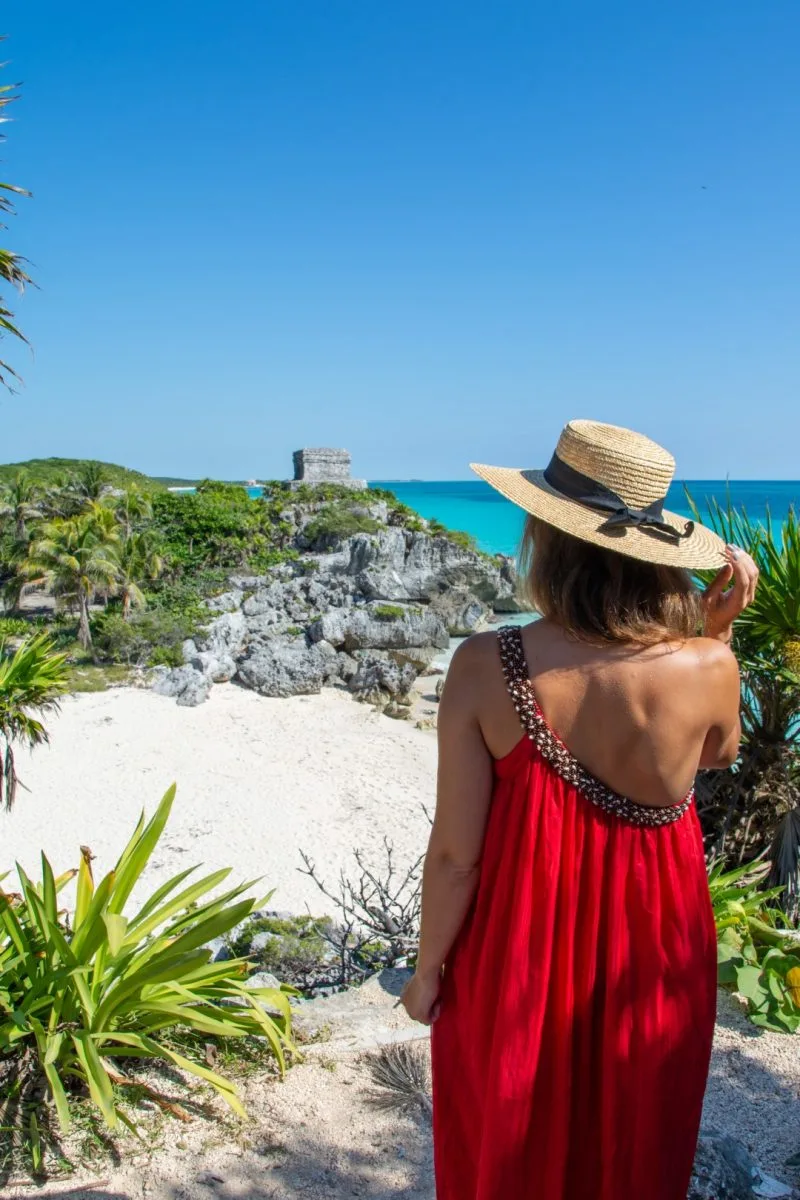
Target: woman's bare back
[[642, 720]]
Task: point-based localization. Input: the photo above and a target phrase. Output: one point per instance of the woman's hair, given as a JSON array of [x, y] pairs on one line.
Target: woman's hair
[[598, 595]]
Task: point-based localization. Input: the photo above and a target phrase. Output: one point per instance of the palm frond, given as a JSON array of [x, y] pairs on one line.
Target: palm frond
[[32, 679]]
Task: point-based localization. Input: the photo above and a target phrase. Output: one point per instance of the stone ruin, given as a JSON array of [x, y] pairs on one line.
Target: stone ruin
[[324, 466]]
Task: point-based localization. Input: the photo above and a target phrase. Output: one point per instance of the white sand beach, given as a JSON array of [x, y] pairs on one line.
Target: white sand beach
[[258, 781]]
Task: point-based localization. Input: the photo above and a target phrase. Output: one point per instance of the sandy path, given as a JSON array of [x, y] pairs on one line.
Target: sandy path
[[258, 781], [318, 1134]]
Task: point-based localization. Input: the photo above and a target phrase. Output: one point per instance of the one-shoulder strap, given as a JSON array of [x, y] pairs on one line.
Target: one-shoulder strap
[[515, 670], [560, 758]]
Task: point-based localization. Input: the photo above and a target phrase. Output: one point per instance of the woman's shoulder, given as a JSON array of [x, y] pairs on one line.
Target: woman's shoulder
[[476, 651]]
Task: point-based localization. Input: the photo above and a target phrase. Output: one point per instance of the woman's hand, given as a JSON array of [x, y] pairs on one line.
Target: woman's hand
[[729, 594], [421, 998]]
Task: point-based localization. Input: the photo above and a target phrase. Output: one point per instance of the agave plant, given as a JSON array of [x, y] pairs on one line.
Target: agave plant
[[84, 998], [754, 807], [31, 680]]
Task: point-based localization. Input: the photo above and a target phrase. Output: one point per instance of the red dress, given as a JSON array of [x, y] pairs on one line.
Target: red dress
[[571, 1055]]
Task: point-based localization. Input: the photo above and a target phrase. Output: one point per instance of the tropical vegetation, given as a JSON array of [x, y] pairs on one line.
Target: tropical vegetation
[[32, 678], [758, 952], [750, 813], [88, 997], [54, 472], [752, 810]]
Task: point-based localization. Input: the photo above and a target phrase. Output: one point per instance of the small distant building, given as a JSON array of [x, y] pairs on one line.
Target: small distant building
[[324, 466]]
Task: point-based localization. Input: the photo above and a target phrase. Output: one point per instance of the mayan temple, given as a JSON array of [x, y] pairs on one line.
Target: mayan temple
[[324, 466]]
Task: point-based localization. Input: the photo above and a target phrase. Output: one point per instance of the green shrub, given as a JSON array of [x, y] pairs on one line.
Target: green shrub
[[82, 999], [166, 656], [14, 627], [296, 949], [457, 536], [333, 523], [316, 493], [216, 527], [757, 958], [151, 636], [388, 612]]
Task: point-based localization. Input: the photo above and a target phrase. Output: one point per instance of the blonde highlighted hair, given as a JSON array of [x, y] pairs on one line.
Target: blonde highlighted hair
[[598, 595]]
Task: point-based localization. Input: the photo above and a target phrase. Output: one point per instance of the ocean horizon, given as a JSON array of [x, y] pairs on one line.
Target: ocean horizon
[[496, 523]]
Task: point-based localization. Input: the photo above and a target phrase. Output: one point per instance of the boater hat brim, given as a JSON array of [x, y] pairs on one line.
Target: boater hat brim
[[696, 549]]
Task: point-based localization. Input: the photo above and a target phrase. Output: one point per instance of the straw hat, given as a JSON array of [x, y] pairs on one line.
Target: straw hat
[[606, 485]]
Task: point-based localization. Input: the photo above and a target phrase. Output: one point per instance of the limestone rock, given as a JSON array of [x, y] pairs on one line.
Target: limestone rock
[[724, 1170], [398, 565], [374, 626], [268, 599], [217, 670], [347, 665], [225, 636], [226, 602], [420, 657], [188, 686], [284, 668], [189, 650], [461, 612], [378, 680], [263, 979]]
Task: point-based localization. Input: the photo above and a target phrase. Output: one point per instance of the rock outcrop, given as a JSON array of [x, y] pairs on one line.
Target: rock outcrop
[[396, 564], [369, 614], [724, 1170]]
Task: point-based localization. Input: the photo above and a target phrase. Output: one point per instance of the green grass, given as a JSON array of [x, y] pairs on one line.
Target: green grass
[[84, 677], [388, 612], [48, 470]]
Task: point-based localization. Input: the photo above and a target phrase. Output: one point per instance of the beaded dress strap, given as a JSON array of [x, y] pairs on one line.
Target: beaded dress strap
[[553, 750]]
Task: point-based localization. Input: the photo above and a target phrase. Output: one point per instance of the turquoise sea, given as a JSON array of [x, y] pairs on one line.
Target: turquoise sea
[[497, 524]]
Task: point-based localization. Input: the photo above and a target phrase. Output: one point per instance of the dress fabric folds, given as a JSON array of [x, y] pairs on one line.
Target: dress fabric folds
[[572, 1050]]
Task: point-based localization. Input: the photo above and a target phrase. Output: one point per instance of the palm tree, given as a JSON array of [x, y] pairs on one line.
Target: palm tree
[[137, 561], [19, 501], [90, 481], [131, 507], [12, 271], [60, 499], [31, 680], [76, 557]]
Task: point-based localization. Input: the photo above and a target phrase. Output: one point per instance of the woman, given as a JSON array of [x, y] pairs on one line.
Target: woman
[[567, 956]]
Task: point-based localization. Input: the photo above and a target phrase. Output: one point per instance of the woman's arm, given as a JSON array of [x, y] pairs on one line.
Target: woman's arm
[[729, 595], [452, 864], [721, 691]]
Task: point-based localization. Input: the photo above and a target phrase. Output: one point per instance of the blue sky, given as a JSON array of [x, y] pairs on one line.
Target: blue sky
[[429, 232]]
